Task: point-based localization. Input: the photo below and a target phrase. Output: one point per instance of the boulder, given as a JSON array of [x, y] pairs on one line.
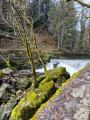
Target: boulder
[[7, 71], [5, 92], [60, 74], [5, 76], [32, 100], [4, 95], [8, 79], [6, 108], [22, 83], [5, 111]]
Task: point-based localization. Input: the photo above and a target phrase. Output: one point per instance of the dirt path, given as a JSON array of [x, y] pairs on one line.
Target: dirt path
[[73, 103]]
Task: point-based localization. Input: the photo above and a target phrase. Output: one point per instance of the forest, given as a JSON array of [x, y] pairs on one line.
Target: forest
[[44, 59], [66, 22]]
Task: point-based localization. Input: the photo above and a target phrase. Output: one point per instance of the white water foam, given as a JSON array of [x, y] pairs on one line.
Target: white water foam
[[72, 66]]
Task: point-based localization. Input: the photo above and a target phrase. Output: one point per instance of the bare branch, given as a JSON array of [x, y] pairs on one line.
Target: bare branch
[[80, 2]]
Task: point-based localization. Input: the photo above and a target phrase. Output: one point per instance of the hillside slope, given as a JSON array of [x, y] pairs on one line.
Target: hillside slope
[[44, 41]]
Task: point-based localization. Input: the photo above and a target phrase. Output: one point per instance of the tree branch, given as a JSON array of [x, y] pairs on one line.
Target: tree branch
[[80, 2]]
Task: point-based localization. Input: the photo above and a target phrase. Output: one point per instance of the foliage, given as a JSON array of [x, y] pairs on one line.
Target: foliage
[[61, 18], [38, 11], [63, 22], [19, 23]]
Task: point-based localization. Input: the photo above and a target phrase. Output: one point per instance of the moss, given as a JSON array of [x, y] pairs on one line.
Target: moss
[[33, 97], [64, 84], [46, 80], [44, 86], [46, 57], [32, 101], [23, 83], [57, 93], [60, 74], [41, 78], [2, 74], [19, 63], [57, 72]]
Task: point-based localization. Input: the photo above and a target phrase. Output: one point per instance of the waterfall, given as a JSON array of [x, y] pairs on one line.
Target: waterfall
[[72, 65]]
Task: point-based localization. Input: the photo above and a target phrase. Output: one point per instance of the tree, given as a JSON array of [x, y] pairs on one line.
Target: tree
[[80, 2], [61, 18], [38, 10], [24, 34]]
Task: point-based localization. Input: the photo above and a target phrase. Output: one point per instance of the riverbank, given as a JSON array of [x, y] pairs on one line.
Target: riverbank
[[19, 59], [20, 91], [13, 94]]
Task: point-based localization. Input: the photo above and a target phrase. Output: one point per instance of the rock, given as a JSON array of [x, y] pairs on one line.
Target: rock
[[8, 100], [5, 111], [26, 73], [46, 57], [7, 70], [39, 74], [60, 74], [9, 80], [5, 92], [55, 65], [32, 101], [22, 83], [20, 63], [5, 76], [19, 93]]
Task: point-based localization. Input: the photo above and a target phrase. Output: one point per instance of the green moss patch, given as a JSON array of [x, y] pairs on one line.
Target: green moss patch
[[60, 74], [46, 57], [34, 98], [58, 92], [1, 74], [41, 78], [32, 101]]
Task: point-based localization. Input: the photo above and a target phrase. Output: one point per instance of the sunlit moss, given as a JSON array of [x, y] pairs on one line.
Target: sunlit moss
[[32, 101], [57, 93]]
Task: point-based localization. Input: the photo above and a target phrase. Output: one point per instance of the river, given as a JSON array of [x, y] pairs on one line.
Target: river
[[72, 65]]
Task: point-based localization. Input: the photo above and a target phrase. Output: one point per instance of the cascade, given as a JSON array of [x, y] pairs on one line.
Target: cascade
[[72, 65]]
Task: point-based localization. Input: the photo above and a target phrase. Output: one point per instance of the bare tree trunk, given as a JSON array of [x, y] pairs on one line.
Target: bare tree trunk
[[39, 1], [58, 40]]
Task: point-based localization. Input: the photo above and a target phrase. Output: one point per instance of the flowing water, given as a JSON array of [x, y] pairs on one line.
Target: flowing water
[[72, 65]]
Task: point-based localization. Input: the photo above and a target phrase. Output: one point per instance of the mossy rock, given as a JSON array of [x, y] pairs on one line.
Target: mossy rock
[[2, 74], [41, 77], [23, 83], [32, 101], [60, 74], [19, 63], [46, 80], [46, 57]]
